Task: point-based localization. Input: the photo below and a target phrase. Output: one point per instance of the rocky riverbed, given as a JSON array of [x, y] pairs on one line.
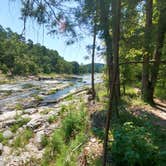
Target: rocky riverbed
[[29, 111]]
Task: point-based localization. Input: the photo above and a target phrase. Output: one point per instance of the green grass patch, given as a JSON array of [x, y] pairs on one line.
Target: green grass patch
[[52, 91], [52, 118], [22, 139], [27, 86], [20, 122], [60, 148]]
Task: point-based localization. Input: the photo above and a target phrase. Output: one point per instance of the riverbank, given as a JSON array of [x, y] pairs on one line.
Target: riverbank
[[71, 131], [30, 108]]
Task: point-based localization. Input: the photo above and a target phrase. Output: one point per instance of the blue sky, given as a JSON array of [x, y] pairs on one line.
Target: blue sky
[[10, 17]]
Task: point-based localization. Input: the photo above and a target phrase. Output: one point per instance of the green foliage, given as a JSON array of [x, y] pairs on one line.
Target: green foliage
[[52, 91], [20, 122], [22, 139], [18, 106], [133, 146], [160, 92], [27, 86], [44, 140], [52, 118], [60, 147], [1, 137], [18, 57], [73, 124]]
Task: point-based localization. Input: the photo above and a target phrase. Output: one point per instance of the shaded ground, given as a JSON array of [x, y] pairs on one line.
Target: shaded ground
[[158, 112], [155, 115]]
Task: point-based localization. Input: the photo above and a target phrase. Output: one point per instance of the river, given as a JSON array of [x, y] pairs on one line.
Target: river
[[12, 95]]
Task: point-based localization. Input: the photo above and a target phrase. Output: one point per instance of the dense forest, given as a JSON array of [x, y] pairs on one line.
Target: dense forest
[[21, 57], [118, 121]]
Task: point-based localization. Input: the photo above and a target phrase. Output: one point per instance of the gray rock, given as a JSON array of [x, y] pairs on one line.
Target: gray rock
[[35, 123], [1, 161], [8, 123], [30, 111], [7, 134], [38, 139]]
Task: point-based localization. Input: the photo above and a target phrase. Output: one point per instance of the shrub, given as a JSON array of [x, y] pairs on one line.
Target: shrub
[[44, 141], [52, 118], [72, 124], [56, 142], [133, 146]]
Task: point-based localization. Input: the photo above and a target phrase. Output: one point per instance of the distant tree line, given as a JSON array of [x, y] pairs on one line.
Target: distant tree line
[[21, 57]]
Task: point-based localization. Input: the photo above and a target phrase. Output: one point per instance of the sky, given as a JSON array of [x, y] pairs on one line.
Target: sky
[[10, 17]]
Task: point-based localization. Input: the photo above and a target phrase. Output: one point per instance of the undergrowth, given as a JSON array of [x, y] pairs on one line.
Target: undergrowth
[[63, 147]]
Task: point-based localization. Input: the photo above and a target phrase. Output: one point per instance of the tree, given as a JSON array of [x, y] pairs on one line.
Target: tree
[[150, 72], [147, 53], [112, 60]]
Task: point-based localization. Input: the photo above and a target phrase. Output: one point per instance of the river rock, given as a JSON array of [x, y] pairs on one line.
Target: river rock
[[1, 161], [38, 139], [7, 123], [1, 149], [7, 134], [30, 111], [35, 123]]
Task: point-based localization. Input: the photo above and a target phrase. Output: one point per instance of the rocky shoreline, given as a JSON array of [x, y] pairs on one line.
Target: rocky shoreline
[[38, 122]]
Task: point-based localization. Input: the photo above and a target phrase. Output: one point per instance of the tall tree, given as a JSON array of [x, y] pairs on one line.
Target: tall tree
[[161, 31], [147, 52], [93, 60], [116, 8], [150, 71], [112, 50]]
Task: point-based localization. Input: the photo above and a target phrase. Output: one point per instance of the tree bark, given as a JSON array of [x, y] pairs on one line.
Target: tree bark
[[146, 57], [116, 8], [93, 56], [158, 51], [113, 70], [104, 16]]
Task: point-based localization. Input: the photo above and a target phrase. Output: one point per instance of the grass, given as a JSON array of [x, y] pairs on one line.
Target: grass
[[52, 91], [19, 106], [46, 111], [1, 137], [60, 147], [37, 97], [27, 86], [44, 141], [23, 138], [19, 123], [160, 93], [52, 118]]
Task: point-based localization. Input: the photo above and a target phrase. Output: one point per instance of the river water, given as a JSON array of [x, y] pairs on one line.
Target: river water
[[25, 89]]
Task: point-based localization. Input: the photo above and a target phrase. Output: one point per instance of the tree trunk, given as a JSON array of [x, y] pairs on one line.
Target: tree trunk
[[146, 57], [93, 56], [113, 71], [104, 16], [116, 5], [158, 50]]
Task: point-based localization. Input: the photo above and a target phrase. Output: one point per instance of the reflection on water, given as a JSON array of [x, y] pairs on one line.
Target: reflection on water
[[24, 89]]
